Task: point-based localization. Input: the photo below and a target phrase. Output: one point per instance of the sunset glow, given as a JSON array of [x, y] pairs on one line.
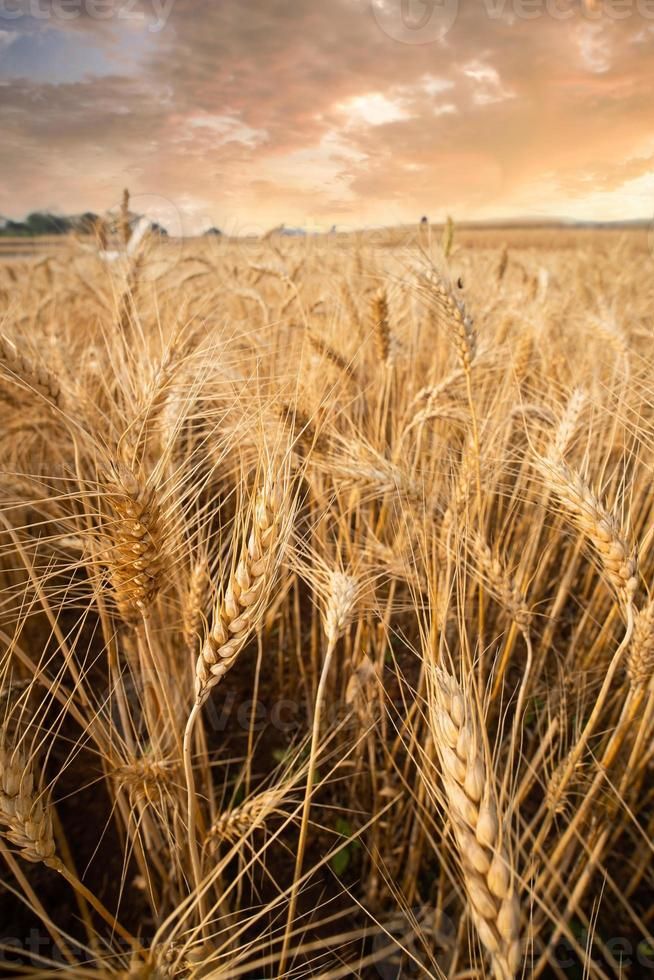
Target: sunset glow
[[247, 115]]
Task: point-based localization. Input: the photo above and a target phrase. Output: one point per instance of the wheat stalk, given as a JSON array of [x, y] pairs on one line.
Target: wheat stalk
[[235, 825], [501, 583], [351, 307], [341, 604], [596, 522], [193, 613], [565, 430], [236, 615], [135, 550], [381, 326], [338, 614], [27, 817], [324, 349], [459, 499], [640, 655], [448, 237], [144, 778], [302, 428], [237, 612], [451, 311], [488, 874], [502, 264], [523, 356], [24, 811], [32, 374], [427, 396], [559, 788]]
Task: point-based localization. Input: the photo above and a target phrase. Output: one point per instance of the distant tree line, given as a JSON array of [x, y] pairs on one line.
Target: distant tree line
[[43, 223]]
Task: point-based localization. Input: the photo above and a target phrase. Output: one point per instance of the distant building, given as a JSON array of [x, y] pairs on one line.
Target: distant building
[[156, 229]]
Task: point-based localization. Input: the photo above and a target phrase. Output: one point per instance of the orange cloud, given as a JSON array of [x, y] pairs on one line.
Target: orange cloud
[[314, 112]]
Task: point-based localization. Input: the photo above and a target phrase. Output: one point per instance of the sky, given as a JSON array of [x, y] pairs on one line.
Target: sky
[[247, 113]]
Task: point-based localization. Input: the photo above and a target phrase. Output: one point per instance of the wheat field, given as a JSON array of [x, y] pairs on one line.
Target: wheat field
[[326, 609]]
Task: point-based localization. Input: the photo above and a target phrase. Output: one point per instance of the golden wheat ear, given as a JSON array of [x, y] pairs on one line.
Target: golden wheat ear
[[195, 603], [29, 373], [599, 525], [238, 611], [450, 312], [381, 326], [341, 603], [135, 541], [640, 656], [488, 874], [25, 811]]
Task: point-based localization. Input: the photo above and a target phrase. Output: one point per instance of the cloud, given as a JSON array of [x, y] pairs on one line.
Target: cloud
[[271, 111], [594, 47], [222, 129], [488, 87], [372, 109]]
